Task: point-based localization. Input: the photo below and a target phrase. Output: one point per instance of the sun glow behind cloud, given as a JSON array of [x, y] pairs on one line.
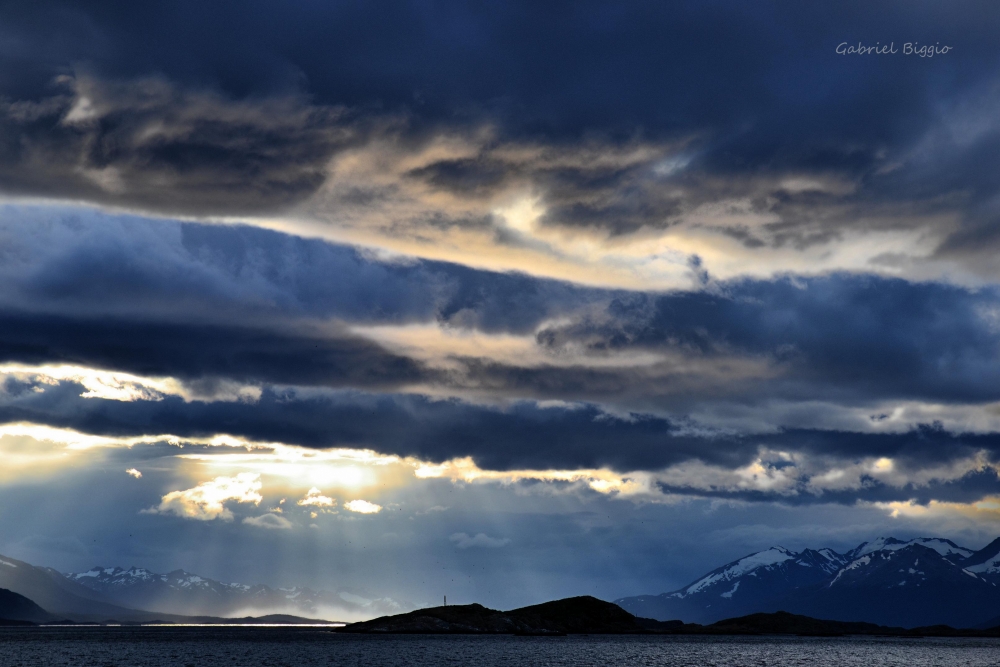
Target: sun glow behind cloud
[[652, 257], [283, 469]]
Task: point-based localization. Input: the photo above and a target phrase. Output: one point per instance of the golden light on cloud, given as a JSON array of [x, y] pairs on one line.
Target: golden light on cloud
[[985, 510], [507, 227], [75, 440], [315, 497], [126, 387], [440, 345], [883, 465], [238, 469], [108, 385], [284, 467], [63, 436], [207, 500], [602, 481]]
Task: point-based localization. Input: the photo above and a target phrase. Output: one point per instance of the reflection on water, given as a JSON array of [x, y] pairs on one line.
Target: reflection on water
[[272, 647]]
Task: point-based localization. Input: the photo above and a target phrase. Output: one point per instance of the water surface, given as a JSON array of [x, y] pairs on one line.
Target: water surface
[[272, 647]]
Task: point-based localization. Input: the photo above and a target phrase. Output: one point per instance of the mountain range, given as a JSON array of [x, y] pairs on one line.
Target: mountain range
[[906, 583], [181, 592], [890, 582], [139, 595]]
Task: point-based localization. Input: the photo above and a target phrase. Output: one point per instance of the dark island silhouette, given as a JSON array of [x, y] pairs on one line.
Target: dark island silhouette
[[18, 610], [583, 614], [588, 615]]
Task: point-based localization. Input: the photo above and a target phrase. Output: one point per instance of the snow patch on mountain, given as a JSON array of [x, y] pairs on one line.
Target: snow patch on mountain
[[830, 555], [990, 566], [183, 592], [946, 548], [766, 559], [853, 565]]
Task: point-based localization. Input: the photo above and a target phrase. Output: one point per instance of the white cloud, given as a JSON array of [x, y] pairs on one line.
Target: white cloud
[[134, 473], [316, 498], [206, 501], [463, 541], [363, 507], [269, 521]]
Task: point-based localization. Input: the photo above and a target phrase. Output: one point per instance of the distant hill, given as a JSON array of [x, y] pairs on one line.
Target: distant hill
[[588, 615], [784, 623], [583, 614], [14, 607], [921, 582]]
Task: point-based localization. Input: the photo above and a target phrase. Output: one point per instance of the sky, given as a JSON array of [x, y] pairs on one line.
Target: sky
[[505, 302]]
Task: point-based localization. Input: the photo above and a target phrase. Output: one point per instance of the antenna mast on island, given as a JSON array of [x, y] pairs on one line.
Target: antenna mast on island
[[445, 600]]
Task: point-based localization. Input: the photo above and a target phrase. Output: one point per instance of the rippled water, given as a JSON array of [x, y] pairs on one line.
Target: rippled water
[[155, 647]]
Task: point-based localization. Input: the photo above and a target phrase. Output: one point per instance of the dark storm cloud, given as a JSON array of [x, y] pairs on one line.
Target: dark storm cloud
[[857, 336], [247, 304], [922, 445], [148, 144], [524, 435], [572, 65], [239, 106], [528, 436], [969, 488], [82, 263], [196, 352]]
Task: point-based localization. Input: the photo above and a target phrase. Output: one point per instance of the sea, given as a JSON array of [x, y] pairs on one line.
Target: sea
[[302, 647]]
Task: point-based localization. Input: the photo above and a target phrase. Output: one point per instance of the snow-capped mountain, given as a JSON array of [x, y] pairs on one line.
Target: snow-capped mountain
[[946, 548], [908, 586], [740, 587], [887, 581], [181, 592], [57, 594], [986, 561]]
